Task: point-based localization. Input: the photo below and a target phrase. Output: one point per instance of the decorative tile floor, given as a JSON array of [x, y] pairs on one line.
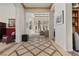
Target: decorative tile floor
[[74, 53], [36, 47]]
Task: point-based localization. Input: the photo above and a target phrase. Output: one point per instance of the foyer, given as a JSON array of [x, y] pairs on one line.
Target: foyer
[[48, 26], [36, 46]]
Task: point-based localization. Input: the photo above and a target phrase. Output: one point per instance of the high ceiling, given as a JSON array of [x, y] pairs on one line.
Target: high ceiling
[[37, 5]]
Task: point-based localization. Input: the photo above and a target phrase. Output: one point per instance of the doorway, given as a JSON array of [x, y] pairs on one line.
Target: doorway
[[39, 24], [51, 26]]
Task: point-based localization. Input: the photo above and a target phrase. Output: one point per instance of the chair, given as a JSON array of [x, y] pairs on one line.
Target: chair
[[8, 37]]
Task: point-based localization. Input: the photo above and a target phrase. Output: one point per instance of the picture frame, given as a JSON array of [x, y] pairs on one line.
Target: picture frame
[[11, 23], [60, 18]]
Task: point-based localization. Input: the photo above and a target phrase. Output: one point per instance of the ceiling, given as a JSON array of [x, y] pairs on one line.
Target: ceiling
[[37, 5]]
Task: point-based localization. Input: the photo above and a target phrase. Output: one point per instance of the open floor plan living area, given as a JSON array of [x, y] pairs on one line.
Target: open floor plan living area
[[39, 29]]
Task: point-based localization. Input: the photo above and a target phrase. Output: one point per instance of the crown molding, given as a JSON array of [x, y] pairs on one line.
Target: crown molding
[[37, 7], [50, 6], [23, 5]]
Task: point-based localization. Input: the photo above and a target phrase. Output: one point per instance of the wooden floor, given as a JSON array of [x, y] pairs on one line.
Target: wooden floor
[[36, 46]]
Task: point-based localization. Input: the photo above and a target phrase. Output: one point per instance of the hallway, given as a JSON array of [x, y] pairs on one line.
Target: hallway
[[41, 19], [37, 46]]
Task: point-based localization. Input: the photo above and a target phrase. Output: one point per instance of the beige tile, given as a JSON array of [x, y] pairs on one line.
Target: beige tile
[[22, 51], [27, 45], [61, 50], [34, 43], [42, 43], [37, 45], [10, 50], [52, 47], [29, 41], [21, 47], [40, 40], [56, 54], [30, 47], [27, 54], [37, 41], [43, 54], [4, 46], [42, 47], [49, 51], [35, 51], [74, 53], [46, 44], [13, 54]]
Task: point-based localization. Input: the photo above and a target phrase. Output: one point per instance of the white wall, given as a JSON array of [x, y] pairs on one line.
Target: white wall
[[15, 11], [51, 23], [60, 30], [63, 31], [7, 11], [20, 22], [69, 26]]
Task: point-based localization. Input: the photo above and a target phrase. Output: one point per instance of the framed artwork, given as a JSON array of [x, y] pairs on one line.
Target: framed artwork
[[11, 23], [60, 18]]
